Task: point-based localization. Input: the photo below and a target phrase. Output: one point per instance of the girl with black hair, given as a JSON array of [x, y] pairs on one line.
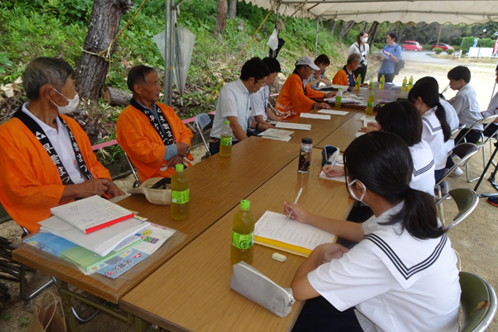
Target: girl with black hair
[[402, 274], [322, 61], [436, 130], [403, 119], [361, 48]]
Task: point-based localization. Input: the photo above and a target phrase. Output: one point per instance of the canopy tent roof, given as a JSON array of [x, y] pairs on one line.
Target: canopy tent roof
[[429, 11]]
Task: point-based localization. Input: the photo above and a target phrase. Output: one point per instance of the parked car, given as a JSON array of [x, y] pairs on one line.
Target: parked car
[[443, 46], [412, 45]]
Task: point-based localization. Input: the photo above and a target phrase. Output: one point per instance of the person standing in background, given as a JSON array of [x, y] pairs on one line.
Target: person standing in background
[[390, 56], [361, 48]]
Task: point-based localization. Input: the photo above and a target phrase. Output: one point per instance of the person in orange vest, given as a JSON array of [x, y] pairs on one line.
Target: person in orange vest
[[46, 159], [151, 133]]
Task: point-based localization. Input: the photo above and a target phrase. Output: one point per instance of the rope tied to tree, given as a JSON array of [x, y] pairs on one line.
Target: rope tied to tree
[[244, 50]]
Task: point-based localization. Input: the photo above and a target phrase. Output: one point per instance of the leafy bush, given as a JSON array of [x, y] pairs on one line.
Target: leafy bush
[[438, 50], [467, 42], [380, 46], [456, 47], [426, 47], [449, 51], [486, 42]]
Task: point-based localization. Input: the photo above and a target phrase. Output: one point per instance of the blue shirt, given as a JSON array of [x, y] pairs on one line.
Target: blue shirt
[[387, 66]]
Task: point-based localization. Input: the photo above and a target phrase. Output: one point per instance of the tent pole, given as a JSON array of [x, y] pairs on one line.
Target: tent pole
[[316, 40], [168, 61]]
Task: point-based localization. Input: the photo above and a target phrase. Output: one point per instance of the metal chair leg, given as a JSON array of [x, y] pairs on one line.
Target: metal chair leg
[[37, 292], [203, 139], [84, 320]]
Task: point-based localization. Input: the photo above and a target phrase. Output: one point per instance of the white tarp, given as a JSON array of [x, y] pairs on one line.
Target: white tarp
[[429, 11]]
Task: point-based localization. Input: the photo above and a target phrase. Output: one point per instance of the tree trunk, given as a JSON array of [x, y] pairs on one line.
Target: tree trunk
[[333, 27], [233, 9], [116, 97], [346, 31], [342, 29], [221, 18], [365, 27], [373, 32], [102, 29]]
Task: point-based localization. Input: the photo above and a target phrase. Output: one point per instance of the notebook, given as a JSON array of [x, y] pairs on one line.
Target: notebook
[[91, 214], [275, 231], [315, 116], [296, 126]]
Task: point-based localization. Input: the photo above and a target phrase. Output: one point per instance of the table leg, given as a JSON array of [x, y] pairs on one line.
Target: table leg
[[140, 325], [72, 325]]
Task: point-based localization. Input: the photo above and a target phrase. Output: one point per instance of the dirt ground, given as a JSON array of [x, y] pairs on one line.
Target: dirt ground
[[474, 239]]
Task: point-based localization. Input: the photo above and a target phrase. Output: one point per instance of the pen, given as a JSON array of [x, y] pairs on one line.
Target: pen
[[297, 198]]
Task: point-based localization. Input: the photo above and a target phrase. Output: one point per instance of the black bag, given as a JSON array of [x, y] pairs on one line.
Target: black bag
[[399, 65]]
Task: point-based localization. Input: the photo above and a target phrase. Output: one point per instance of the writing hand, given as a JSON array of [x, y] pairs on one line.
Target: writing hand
[[93, 187], [333, 171], [298, 213]]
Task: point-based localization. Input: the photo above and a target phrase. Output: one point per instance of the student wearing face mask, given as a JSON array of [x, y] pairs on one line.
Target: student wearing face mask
[[402, 275], [45, 157], [361, 48]]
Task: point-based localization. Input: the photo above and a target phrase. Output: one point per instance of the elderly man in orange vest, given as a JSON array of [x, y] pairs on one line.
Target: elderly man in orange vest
[[151, 133], [45, 157]]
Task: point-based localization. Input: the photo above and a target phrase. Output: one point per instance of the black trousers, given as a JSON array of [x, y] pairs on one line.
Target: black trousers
[[318, 315], [473, 136], [490, 130], [361, 71], [388, 77], [214, 145]]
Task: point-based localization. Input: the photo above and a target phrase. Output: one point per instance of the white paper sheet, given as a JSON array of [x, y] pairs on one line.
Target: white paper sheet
[[315, 116], [295, 126], [154, 236], [333, 112], [100, 242], [275, 226], [345, 100]]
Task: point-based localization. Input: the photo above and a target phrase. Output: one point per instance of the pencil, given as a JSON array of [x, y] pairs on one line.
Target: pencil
[[295, 202]]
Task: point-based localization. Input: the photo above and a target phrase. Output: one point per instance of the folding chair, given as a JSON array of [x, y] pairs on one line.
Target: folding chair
[[486, 122], [466, 201], [200, 122], [456, 131], [478, 302], [462, 153], [136, 184]]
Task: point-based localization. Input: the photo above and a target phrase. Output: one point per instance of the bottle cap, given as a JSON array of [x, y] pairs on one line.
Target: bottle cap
[[244, 205], [179, 167], [227, 122], [307, 140], [371, 93], [340, 89]]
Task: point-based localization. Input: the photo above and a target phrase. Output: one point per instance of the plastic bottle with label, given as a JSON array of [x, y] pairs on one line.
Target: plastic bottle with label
[[242, 248], [226, 140], [410, 83], [381, 82], [371, 84], [305, 155], [358, 82], [370, 104], [338, 98], [180, 205], [403, 86]]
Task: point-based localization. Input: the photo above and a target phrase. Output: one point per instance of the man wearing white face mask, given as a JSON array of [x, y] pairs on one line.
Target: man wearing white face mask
[[45, 157]]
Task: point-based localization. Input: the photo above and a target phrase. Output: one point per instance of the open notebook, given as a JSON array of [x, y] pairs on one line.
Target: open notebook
[[275, 231]]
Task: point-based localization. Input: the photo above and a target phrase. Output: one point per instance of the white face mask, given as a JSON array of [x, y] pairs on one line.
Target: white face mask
[[364, 40], [70, 107], [352, 193]]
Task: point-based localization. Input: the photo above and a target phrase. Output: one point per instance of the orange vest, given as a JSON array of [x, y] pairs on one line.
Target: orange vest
[[292, 101], [341, 78], [29, 181], [142, 143]]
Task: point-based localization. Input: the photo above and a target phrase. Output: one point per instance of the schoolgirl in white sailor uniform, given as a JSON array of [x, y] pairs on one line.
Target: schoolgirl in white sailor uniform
[[402, 274], [436, 130]]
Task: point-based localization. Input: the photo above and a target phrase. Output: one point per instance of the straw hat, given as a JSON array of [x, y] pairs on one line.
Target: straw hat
[[159, 195]]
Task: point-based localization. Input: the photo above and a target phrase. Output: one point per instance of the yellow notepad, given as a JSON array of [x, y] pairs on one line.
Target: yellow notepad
[[275, 231]]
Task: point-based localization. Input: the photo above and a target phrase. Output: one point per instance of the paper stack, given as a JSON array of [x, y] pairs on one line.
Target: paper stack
[[275, 134]]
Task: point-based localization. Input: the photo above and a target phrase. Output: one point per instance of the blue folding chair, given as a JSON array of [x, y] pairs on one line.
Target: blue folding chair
[[200, 122]]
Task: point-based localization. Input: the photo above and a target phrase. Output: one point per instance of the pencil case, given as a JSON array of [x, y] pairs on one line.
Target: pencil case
[[258, 288]]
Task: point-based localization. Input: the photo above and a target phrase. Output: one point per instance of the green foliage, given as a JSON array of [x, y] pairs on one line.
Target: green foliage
[[449, 51], [486, 42], [6, 316], [380, 46], [456, 47], [438, 50], [23, 322], [467, 42]]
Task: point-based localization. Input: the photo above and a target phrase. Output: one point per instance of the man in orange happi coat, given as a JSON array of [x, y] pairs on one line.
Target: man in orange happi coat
[[295, 96], [45, 157], [151, 133]]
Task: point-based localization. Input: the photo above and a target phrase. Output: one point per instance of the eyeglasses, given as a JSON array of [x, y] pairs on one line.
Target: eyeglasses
[[261, 82]]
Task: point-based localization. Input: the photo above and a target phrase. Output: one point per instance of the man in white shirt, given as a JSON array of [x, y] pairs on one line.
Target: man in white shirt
[[259, 100], [465, 103], [234, 104], [492, 110]]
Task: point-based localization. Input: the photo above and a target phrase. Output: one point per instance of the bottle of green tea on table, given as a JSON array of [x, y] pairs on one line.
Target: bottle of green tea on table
[[358, 82], [410, 83], [381, 82], [403, 86], [180, 206], [338, 98], [242, 248], [371, 84], [226, 140], [370, 104]]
